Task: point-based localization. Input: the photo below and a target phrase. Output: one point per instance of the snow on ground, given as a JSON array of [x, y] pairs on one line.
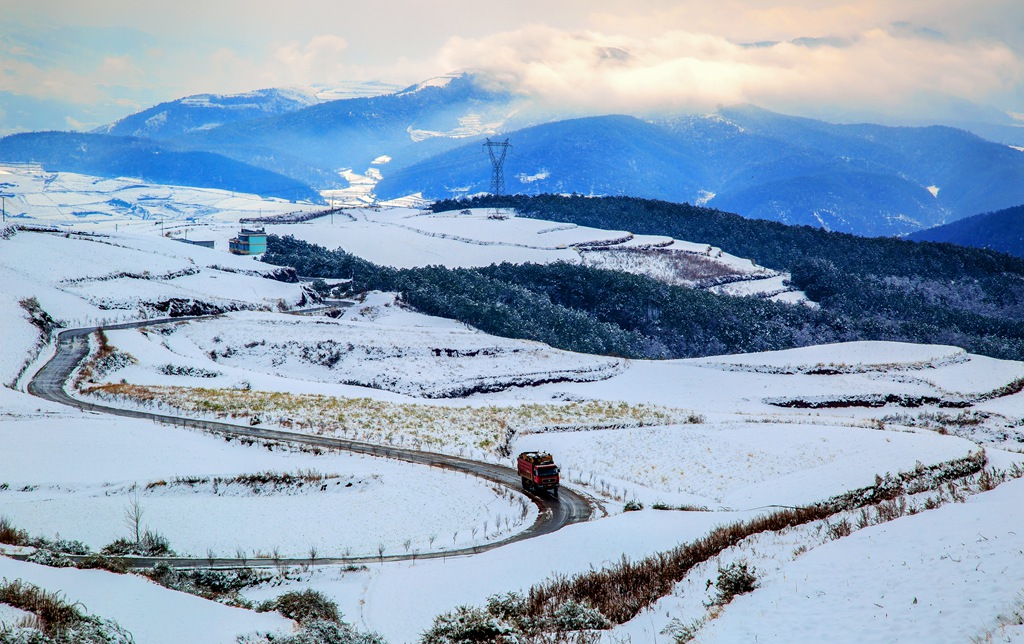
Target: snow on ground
[[740, 465], [482, 228], [847, 357], [375, 344], [381, 238], [71, 473], [701, 385], [400, 600], [405, 238], [10, 616], [83, 280], [151, 613], [940, 576], [77, 484], [83, 201]]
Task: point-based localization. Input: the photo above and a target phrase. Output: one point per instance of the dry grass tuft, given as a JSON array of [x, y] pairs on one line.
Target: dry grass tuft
[[622, 591], [55, 613], [444, 428], [11, 534]]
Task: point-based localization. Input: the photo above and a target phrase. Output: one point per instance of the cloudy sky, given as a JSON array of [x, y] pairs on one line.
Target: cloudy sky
[[66, 64]]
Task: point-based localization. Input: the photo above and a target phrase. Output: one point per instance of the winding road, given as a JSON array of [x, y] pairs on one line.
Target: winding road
[[73, 346]]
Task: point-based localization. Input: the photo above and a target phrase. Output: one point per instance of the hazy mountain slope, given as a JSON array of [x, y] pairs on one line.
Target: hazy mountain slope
[[111, 156], [415, 123], [206, 111], [617, 155], [967, 173], [1002, 230], [866, 179]]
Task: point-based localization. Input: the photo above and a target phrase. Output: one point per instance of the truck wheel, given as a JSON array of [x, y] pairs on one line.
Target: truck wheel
[[526, 484], [555, 491]]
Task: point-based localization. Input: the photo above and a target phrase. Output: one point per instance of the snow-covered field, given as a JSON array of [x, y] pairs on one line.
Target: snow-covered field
[[400, 235], [404, 238], [374, 344], [738, 466], [730, 434], [941, 576], [78, 201], [149, 612]]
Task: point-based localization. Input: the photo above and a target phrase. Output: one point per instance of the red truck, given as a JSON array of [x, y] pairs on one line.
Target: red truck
[[538, 471]]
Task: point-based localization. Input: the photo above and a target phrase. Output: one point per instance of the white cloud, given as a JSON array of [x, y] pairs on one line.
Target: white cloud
[[318, 60], [878, 67], [591, 55]]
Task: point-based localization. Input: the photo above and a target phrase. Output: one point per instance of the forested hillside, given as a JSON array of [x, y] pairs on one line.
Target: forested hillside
[[869, 289], [1002, 231]]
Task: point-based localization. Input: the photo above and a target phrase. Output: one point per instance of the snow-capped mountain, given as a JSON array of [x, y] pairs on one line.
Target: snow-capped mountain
[[864, 179], [207, 111]]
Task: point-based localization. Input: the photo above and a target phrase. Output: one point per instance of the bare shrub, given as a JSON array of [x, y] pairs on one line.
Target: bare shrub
[[839, 529], [682, 633]]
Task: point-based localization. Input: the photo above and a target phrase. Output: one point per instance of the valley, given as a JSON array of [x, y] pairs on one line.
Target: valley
[[261, 427]]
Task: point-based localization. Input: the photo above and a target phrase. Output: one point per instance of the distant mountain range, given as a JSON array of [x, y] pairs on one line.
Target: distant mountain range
[[116, 156], [865, 179], [1002, 230], [207, 111]]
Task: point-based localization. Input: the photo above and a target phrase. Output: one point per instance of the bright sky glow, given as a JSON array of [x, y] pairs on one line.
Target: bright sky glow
[[74, 65]]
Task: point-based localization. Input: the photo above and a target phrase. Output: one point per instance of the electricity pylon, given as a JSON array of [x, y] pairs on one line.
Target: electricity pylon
[[497, 164]]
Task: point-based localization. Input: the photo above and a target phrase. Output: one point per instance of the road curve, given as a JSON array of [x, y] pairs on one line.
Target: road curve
[[73, 346]]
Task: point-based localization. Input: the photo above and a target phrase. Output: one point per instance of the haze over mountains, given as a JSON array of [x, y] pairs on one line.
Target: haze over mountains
[[864, 179]]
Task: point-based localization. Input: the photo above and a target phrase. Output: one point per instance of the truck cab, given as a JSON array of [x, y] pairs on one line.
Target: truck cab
[[538, 472]]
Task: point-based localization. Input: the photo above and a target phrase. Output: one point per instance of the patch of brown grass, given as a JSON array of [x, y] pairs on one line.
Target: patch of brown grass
[[623, 590]]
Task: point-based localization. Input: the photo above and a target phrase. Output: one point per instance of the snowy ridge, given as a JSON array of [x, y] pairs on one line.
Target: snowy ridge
[[848, 357], [480, 239], [375, 344]]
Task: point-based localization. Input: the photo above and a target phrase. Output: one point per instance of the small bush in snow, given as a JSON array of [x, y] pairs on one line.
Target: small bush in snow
[[576, 616], [46, 557], [70, 547], [218, 585], [56, 613], [195, 372], [56, 621], [632, 506], [103, 562], [682, 633], [735, 579], [506, 619], [839, 529], [151, 544], [318, 631], [469, 624], [303, 606]]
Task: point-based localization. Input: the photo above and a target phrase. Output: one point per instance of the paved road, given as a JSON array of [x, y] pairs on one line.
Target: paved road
[[73, 347]]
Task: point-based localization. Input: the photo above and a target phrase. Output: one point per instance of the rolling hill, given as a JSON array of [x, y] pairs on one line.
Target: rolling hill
[[113, 156], [1002, 230]]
